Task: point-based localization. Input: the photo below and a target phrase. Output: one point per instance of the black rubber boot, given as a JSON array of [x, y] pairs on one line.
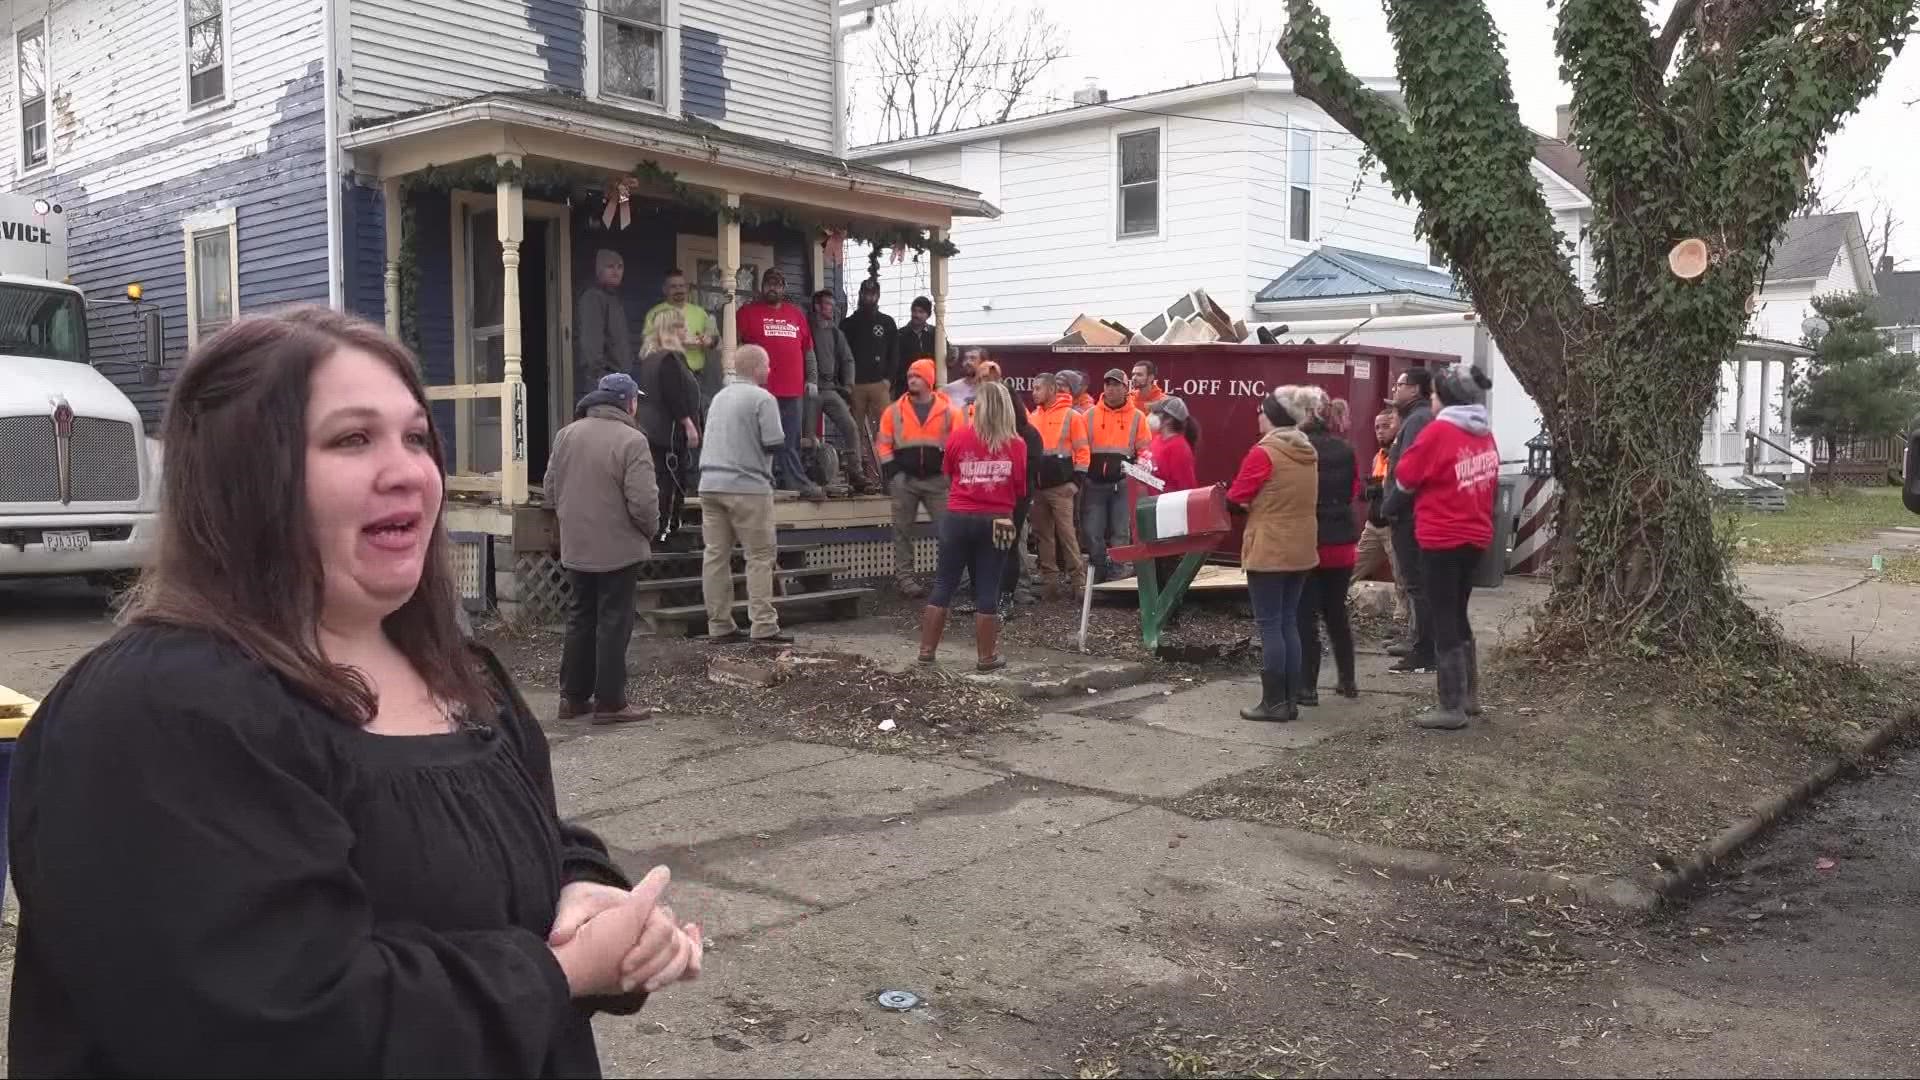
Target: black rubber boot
[[1308, 692], [1274, 705], [1450, 673], [1470, 698]]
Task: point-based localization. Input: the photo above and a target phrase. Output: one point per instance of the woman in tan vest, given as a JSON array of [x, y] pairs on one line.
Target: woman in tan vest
[[1277, 487]]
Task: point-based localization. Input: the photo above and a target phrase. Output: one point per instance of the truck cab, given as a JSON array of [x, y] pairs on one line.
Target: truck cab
[[78, 474]]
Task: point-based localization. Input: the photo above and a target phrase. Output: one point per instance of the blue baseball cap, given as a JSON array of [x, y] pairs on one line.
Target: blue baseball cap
[[621, 385]]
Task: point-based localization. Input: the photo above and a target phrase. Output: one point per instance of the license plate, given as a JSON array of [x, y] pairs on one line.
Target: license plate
[[67, 540]]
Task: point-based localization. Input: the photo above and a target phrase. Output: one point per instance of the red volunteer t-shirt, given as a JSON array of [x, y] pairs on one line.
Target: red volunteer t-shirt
[[983, 481], [1171, 459], [782, 330], [1452, 473]]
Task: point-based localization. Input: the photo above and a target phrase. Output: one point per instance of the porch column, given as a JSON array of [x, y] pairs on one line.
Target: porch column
[[390, 197], [513, 403], [729, 270], [818, 267], [1765, 452], [1786, 408], [1717, 419], [939, 304], [1740, 396]]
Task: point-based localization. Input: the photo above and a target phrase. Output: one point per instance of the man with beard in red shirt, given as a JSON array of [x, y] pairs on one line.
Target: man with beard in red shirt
[[779, 326]]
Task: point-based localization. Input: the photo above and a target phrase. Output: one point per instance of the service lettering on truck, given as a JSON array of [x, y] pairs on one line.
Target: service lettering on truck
[[25, 232]]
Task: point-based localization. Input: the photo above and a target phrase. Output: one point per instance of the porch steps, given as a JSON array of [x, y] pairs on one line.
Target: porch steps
[[672, 601], [1750, 493], [827, 605]]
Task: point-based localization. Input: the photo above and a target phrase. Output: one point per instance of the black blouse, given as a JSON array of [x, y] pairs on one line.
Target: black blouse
[[218, 879]]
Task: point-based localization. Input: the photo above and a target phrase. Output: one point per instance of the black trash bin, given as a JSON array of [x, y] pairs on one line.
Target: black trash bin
[[1492, 570]]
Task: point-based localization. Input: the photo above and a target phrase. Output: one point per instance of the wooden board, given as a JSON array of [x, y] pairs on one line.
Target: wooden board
[[1209, 579], [15, 710], [858, 511]]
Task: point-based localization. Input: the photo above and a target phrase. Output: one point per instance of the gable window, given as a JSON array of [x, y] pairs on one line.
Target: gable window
[[1140, 183], [1300, 184], [213, 273], [633, 49], [206, 52], [30, 55], [1435, 257]]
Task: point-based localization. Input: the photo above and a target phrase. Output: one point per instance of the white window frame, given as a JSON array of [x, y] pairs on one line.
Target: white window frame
[[1296, 185], [196, 225], [1435, 259], [226, 59], [1160, 184], [45, 22], [669, 59]]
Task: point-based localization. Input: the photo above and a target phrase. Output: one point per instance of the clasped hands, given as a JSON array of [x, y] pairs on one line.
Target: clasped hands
[[611, 941]]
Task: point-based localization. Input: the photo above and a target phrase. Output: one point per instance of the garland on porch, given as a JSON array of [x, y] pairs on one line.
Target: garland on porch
[[649, 178]]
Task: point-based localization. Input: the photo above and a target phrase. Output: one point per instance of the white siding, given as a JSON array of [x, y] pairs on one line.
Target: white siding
[[778, 66], [1351, 210], [411, 54], [1054, 254], [118, 100], [1840, 277]]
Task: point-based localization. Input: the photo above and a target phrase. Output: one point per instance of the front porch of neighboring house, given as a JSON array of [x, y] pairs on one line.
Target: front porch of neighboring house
[[493, 212], [1748, 436]]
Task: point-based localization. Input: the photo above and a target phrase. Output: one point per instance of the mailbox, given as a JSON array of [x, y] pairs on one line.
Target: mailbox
[[1178, 515]]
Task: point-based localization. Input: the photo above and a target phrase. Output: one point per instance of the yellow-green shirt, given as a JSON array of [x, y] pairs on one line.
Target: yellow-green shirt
[[698, 325]]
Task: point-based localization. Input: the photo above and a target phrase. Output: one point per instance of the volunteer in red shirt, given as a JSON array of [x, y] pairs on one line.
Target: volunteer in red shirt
[[779, 326], [1450, 474], [986, 467], [1170, 456]]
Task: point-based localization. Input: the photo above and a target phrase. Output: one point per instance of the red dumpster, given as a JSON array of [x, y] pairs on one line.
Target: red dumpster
[[1222, 386]]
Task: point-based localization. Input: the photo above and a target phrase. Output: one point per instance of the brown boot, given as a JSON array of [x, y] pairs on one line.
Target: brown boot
[[986, 635], [570, 708], [933, 623]]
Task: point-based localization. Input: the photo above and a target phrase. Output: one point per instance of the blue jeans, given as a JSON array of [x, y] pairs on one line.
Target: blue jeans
[[966, 546], [787, 468], [1105, 521], [1276, 611]]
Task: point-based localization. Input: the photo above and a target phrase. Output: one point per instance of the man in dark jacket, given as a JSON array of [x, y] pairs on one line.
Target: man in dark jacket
[[601, 485], [875, 342], [1412, 397], [916, 343], [830, 390]]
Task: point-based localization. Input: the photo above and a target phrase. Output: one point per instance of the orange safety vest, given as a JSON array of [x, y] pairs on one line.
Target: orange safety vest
[[1380, 466], [1114, 436], [919, 445], [1063, 437]]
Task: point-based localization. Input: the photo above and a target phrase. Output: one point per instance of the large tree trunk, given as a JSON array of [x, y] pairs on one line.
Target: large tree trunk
[[1638, 559]]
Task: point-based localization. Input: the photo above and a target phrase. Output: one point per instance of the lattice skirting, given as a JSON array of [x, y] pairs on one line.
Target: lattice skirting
[[472, 568], [534, 591], [869, 559]]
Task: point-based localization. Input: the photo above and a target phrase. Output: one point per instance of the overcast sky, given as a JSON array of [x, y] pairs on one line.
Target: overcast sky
[[1133, 46]]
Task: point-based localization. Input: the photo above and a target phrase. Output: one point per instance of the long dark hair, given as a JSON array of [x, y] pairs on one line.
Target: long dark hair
[[236, 556], [1189, 428]]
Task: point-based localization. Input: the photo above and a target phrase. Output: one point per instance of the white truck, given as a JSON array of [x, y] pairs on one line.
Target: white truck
[[78, 474]]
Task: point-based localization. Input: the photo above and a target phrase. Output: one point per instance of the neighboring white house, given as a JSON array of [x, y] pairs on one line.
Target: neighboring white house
[[1897, 311], [1245, 189]]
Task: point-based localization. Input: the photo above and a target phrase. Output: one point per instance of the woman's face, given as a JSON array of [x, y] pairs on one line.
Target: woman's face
[[373, 491]]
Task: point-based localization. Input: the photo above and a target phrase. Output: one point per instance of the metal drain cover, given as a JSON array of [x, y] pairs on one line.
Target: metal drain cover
[[898, 1000]]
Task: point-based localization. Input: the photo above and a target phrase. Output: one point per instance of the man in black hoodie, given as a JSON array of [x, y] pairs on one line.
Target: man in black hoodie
[[1412, 397], [875, 342]]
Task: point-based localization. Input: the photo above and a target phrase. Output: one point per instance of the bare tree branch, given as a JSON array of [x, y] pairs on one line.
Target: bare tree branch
[[940, 70], [1678, 21]]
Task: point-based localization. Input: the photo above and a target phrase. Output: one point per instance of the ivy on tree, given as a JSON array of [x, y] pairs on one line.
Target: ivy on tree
[[1703, 127], [1857, 387]]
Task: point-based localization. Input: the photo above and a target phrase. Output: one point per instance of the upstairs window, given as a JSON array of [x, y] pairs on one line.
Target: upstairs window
[[633, 49], [30, 51], [1140, 183], [206, 52], [1300, 185], [1435, 257]]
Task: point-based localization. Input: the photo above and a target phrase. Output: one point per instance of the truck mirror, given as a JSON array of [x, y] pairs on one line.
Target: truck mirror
[[155, 326]]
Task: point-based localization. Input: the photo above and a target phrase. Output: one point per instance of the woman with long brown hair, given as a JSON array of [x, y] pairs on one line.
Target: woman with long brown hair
[[287, 820]]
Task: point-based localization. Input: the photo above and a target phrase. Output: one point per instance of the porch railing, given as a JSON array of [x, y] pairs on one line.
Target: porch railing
[[509, 485]]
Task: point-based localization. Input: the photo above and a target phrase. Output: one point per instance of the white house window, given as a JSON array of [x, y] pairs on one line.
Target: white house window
[[1300, 181], [213, 273], [1435, 257], [31, 55], [206, 51], [633, 49], [1140, 183]]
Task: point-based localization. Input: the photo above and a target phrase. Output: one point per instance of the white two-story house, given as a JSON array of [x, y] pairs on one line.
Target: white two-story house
[[1243, 188]]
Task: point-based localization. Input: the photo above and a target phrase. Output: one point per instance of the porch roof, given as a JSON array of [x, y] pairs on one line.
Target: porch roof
[[569, 128], [1338, 272]]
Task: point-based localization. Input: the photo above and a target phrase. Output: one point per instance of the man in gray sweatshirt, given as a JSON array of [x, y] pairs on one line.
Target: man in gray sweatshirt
[[830, 383]]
